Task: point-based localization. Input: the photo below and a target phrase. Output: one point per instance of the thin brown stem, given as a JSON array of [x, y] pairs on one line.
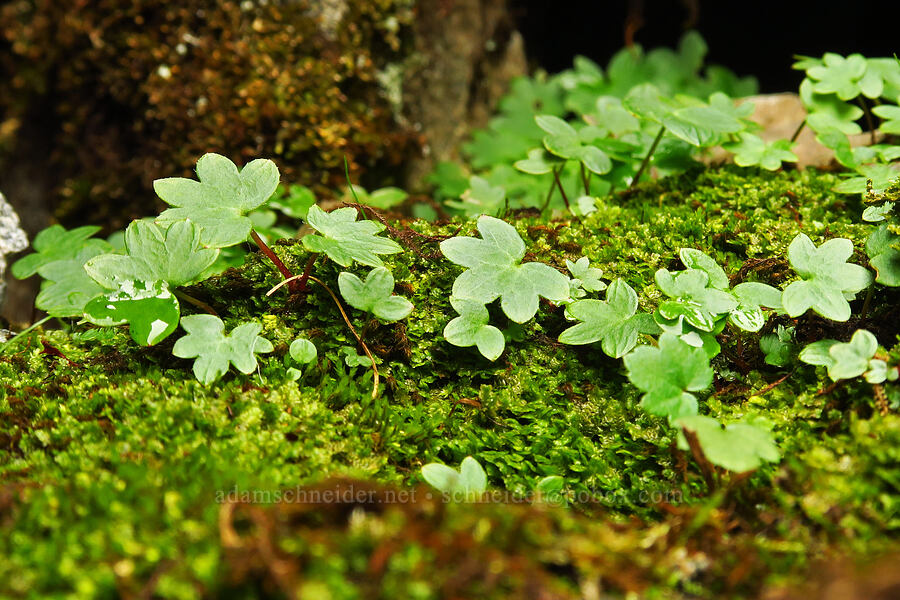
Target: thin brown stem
[[706, 468], [198, 303], [561, 190], [549, 195], [798, 130], [585, 181], [365, 348], [264, 248], [867, 303], [646, 161]]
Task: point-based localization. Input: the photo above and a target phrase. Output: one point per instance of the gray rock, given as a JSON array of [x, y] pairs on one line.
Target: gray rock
[[12, 239]]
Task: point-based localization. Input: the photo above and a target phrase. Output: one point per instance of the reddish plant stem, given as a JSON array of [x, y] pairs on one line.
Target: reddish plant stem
[[285, 272], [301, 287], [561, 190]]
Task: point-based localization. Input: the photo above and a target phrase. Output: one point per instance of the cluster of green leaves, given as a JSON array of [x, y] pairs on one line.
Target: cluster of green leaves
[[700, 299], [591, 130], [838, 92], [883, 244], [136, 282], [852, 359], [493, 271]]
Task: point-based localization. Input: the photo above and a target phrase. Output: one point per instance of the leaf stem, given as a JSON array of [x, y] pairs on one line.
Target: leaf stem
[[285, 272], [561, 190], [198, 303], [798, 130], [365, 348], [646, 161], [706, 468], [549, 195], [301, 288], [585, 181], [870, 123], [867, 303]]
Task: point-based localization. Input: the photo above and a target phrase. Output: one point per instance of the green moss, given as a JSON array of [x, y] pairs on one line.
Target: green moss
[[113, 457]]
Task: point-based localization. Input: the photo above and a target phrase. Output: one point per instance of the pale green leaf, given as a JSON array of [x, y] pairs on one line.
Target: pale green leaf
[[738, 447], [55, 244], [612, 322], [173, 255], [67, 287], [345, 240], [303, 351], [215, 351], [219, 202], [752, 150], [493, 271], [667, 374], [471, 328], [374, 295], [881, 246], [827, 278]]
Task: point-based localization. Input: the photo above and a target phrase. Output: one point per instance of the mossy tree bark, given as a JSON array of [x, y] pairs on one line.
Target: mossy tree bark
[[133, 90]]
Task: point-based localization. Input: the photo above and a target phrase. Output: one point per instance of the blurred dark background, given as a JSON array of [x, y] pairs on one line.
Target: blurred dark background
[[756, 38]]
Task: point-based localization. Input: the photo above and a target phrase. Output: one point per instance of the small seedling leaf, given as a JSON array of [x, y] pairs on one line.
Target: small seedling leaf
[[375, 294], [345, 240], [215, 351], [667, 374], [827, 278]]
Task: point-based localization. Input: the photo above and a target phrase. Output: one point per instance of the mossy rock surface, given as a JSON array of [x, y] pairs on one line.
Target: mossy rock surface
[[120, 474]]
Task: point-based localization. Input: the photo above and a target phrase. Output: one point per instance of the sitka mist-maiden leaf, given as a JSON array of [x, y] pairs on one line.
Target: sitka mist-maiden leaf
[[838, 75], [697, 259], [667, 374], [149, 309], [613, 322], [375, 294], [881, 246], [752, 150], [303, 351], [843, 360], [827, 278], [691, 298], [345, 240], [67, 287], [174, 255], [584, 275], [54, 244], [219, 202], [738, 447], [471, 328], [493, 271], [215, 351], [467, 485], [752, 298]]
